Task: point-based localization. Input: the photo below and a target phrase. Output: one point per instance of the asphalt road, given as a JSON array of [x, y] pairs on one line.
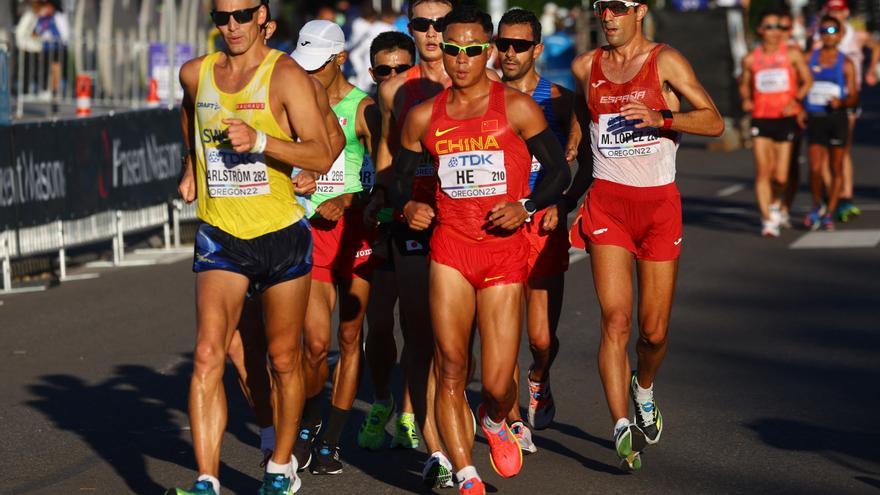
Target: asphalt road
[[768, 387]]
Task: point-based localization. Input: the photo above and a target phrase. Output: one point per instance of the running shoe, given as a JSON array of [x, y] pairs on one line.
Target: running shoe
[[302, 448], [769, 228], [473, 486], [199, 488], [523, 437], [784, 219], [542, 409], [775, 214], [437, 472], [326, 460], [504, 452], [846, 211], [649, 421], [278, 484], [372, 433], [827, 223], [630, 459], [405, 436], [813, 218]]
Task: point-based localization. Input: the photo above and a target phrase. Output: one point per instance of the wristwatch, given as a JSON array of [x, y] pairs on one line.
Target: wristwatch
[[667, 118], [529, 206]]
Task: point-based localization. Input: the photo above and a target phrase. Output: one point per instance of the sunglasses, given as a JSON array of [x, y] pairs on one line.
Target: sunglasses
[[385, 70], [453, 50], [422, 24], [829, 30], [242, 16], [519, 46], [618, 8], [771, 27]]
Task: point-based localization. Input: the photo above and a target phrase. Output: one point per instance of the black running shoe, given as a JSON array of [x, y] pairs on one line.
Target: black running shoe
[[649, 421], [326, 460], [302, 448]]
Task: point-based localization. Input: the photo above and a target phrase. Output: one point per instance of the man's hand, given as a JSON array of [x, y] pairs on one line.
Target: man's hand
[[333, 208], [789, 109], [638, 111], [187, 187], [802, 119], [552, 216], [371, 210], [508, 216], [304, 183], [241, 136], [748, 105], [834, 103], [571, 151], [418, 215], [871, 78]]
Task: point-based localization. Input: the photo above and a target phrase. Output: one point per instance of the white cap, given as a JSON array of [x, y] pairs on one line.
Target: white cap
[[318, 41]]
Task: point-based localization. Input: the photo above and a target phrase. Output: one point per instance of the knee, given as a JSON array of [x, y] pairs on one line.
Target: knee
[[349, 337], [541, 341], [616, 325], [208, 358], [316, 350], [452, 370], [285, 358], [654, 334]]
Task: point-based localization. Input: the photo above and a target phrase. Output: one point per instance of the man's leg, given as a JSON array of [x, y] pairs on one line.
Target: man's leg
[[818, 160], [764, 161], [782, 159], [283, 311], [219, 299], [453, 303]]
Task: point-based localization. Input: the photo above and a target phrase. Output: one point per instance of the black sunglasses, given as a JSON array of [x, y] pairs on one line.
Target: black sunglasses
[[519, 46], [771, 27], [241, 16], [385, 70], [422, 24]]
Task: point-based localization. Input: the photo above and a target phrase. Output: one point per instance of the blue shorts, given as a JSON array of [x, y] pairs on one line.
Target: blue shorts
[[265, 260]]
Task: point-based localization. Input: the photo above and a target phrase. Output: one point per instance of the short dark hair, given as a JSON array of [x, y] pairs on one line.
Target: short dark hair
[[517, 15], [469, 14], [834, 20], [413, 3], [391, 40], [777, 11]]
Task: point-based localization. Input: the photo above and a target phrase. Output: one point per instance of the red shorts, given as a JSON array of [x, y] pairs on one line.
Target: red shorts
[[548, 251], [482, 263], [342, 248], [646, 221]]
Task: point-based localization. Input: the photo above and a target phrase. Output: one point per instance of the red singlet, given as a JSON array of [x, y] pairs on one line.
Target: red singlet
[[774, 82]]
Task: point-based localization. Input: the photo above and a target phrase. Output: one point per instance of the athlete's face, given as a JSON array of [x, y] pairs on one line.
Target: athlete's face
[[327, 73], [239, 23], [388, 62], [770, 29], [428, 42], [830, 34], [516, 65], [466, 70], [621, 29]]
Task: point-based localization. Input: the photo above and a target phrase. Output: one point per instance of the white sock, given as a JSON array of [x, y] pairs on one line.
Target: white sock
[[214, 482], [644, 394], [285, 469], [267, 438], [467, 473], [491, 425], [621, 423]]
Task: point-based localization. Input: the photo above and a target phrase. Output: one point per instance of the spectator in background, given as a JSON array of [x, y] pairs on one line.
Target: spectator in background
[[44, 29], [363, 31], [548, 19]]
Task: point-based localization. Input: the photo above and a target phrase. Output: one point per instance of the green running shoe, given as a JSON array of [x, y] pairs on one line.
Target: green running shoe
[[278, 484], [405, 436], [846, 211], [372, 433], [199, 488], [630, 460], [648, 420]]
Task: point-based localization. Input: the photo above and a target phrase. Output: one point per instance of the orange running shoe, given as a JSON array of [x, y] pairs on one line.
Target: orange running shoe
[[472, 486], [504, 451]]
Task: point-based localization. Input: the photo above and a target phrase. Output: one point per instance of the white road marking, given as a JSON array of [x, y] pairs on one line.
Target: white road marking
[[575, 255], [730, 190], [866, 238]]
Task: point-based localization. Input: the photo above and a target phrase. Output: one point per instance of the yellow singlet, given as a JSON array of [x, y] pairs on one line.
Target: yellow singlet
[[244, 194]]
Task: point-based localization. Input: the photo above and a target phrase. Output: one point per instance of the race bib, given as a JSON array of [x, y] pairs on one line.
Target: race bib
[[236, 175], [473, 174], [821, 93], [333, 182], [536, 166], [618, 137], [772, 81], [368, 173]]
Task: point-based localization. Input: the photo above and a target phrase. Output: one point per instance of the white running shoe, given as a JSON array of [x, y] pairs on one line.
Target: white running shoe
[[523, 437], [769, 228]]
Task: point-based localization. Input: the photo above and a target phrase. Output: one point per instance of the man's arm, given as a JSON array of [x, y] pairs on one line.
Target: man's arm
[[852, 88], [418, 215], [674, 69], [369, 123], [805, 78], [389, 140], [334, 130], [745, 84], [871, 72], [189, 80], [580, 115]]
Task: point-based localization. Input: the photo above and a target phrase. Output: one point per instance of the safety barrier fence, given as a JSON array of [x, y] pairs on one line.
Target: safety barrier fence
[[79, 182]]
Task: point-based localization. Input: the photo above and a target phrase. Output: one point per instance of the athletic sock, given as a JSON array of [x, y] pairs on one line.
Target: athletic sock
[[644, 394], [285, 469], [467, 473], [214, 482], [267, 438], [620, 424], [335, 425], [492, 426], [311, 412]]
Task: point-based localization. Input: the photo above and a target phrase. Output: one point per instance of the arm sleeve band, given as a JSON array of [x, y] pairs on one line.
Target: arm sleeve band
[[404, 166], [581, 181], [546, 148]]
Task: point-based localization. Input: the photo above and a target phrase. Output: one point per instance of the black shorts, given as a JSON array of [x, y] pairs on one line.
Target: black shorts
[[827, 129], [265, 260], [409, 242], [779, 130]]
